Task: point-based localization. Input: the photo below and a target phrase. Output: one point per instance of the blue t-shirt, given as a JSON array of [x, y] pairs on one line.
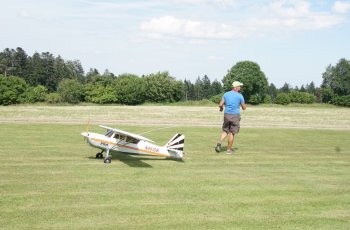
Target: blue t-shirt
[[233, 101]]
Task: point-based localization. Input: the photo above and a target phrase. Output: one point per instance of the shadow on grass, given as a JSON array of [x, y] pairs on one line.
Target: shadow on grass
[[136, 160]]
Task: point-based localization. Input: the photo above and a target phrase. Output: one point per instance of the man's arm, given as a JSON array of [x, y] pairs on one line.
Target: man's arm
[[221, 105], [243, 105]]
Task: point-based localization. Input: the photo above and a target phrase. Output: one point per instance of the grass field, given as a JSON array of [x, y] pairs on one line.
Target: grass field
[[282, 177]]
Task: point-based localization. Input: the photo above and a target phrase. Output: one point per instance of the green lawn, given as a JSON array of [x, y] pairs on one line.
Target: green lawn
[[278, 179]]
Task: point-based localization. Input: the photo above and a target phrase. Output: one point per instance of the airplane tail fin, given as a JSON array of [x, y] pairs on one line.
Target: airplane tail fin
[[176, 145]]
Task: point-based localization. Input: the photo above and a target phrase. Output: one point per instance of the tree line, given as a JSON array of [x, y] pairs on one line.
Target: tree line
[[335, 87], [44, 77]]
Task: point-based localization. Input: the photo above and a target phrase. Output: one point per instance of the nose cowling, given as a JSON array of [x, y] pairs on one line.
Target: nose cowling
[[85, 134]]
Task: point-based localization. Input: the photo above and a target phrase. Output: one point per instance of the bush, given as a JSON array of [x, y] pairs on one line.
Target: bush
[[267, 99], [341, 100], [34, 94], [100, 94], [11, 89], [71, 91], [131, 90], [294, 97], [161, 87], [217, 98], [307, 98], [301, 97], [327, 94], [254, 99], [53, 98], [282, 99]]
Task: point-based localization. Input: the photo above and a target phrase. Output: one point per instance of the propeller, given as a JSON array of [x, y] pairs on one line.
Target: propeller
[[86, 133]]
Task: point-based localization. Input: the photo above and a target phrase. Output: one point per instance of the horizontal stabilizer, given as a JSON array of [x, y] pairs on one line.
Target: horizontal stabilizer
[[177, 142]]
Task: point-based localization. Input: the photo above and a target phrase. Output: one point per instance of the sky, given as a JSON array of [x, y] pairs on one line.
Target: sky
[[291, 41]]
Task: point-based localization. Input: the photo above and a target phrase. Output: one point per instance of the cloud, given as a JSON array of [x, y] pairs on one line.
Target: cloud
[[341, 7], [293, 15], [276, 17], [120, 5], [214, 58], [30, 15], [175, 27], [219, 3]]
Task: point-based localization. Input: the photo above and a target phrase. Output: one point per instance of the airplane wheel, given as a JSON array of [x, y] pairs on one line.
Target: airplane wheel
[[107, 160], [99, 155]]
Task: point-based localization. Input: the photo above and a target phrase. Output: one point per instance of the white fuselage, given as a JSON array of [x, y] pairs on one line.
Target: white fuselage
[[120, 143]]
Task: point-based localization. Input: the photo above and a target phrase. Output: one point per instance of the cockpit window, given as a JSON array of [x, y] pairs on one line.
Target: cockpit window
[[109, 133], [118, 136]]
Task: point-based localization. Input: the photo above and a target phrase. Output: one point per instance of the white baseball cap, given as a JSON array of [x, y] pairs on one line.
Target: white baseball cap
[[236, 83]]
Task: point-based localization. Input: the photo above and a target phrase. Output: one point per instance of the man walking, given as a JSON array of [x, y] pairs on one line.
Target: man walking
[[233, 101]]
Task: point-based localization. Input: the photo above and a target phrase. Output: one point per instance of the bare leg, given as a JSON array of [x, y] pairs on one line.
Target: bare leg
[[222, 137], [231, 138]]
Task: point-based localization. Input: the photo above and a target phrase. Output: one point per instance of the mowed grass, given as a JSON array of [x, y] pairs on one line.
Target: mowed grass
[[319, 116], [278, 179]]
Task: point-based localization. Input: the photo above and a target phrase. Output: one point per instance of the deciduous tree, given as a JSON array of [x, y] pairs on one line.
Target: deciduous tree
[[254, 80]]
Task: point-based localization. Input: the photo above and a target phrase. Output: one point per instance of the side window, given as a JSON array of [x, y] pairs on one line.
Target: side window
[[131, 140], [119, 137]]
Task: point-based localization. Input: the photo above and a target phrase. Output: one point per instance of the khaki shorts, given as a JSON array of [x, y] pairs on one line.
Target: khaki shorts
[[231, 123]]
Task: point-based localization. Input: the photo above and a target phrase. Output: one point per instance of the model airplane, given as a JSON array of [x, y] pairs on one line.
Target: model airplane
[[117, 140]]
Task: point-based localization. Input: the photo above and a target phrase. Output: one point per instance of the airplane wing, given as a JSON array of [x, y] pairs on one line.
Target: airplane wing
[[135, 136]]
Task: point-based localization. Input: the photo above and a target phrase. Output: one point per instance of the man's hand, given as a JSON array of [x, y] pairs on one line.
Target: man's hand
[[221, 105]]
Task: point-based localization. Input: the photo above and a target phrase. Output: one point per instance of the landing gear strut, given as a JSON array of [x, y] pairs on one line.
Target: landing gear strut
[[107, 160]]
